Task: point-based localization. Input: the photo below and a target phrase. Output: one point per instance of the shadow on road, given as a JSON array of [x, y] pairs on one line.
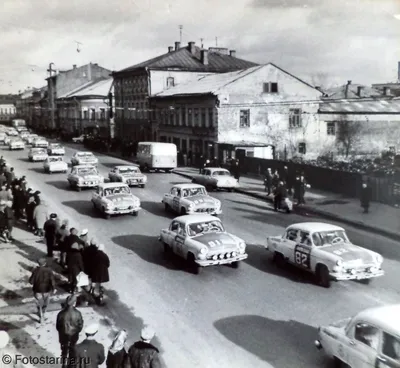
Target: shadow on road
[[157, 209], [60, 184], [38, 170], [280, 343], [83, 207], [24, 159]]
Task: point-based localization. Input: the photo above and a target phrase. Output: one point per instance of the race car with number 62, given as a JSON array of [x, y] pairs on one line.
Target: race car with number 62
[[326, 251]]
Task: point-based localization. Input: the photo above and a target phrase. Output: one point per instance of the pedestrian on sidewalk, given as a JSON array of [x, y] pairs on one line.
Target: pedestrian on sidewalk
[[89, 255], [89, 353], [10, 220], [300, 187], [100, 275], [5, 194], [74, 259], [30, 208], [18, 202], [40, 215], [117, 354], [142, 354], [279, 195], [43, 285], [69, 325], [268, 181], [50, 230], [85, 237], [275, 180], [366, 195], [3, 222], [61, 238], [10, 176], [236, 170]]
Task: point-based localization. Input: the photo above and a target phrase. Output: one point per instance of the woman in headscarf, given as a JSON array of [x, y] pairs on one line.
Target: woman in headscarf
[[117, 353], [100, 275]]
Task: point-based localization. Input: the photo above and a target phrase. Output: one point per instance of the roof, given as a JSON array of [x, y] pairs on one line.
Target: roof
[[112, 185], [183, 59], [196, 218], [387, 316], [315, 226], [125, 166], [212, 84], [187, 185], [376, 106], [96, 88], [340, 92], [84, 153]]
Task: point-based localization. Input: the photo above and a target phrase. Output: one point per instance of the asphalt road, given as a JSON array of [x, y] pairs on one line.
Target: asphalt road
[[254, 316]]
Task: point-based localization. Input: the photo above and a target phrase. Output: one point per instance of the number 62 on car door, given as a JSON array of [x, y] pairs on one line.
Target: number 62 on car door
[[302, 256]]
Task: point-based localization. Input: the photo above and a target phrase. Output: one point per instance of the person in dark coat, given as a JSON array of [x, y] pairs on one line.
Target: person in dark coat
[[275, 179], [10, 219], [236, 170], [89, 255], [117, 354], [89, 353], [50, 229], [3, 222], [3, 180], [366, 195], [43, 284], [29, 210], [279, 195], [10, 176], [62, 238], [69, 325], [101, 264], [74, 258], [19, 202], [143, 354], [268, 181], [5, 194]]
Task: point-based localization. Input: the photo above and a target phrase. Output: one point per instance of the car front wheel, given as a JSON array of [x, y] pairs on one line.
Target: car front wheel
[[194, 268], [136, 213], [323, 277], [235, 264]]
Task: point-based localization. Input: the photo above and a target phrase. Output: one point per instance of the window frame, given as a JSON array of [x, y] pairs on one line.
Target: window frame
[[270, 87], [356, 323], [300, 150], [381, 351], [295, 118], [170, 82], [331, 128], [244, 118]]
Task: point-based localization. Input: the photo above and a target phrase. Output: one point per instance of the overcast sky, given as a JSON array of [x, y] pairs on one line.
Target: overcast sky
[[337, 40]]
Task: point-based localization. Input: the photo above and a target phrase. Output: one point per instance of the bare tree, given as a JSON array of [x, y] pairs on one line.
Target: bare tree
[[348, 133]]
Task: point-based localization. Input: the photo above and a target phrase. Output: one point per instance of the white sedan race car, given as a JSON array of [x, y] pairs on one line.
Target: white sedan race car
[[202, 241], [216, 178], [115, 199], [129, 174], [54, 164], [16, 144], [370, 339], [55, 149], [37, 154], [40, 143], [84, 158], [326, 251], [84, 176], [187, 199]]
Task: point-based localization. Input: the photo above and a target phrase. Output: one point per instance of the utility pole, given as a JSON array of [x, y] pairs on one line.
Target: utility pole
[[201, 42], [51, 95], [180, 33]]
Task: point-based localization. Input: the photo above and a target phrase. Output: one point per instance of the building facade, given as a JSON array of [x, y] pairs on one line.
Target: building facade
[[248, 110], [135, 85], [8, 109]]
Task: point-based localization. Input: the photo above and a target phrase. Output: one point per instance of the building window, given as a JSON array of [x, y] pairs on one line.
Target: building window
[[302, 148], [270, 87], [294, 118], [203, 118], [170, 82], [177, 115], [183, 116], [244, 118], [85, 114], [331, 128], [210, 117], [102, 114], [171, 118], [196, 118], [93, 114], [190, 117]]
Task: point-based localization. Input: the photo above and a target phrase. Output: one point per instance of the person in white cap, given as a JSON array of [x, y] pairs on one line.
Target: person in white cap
[[89, 350], [117, 354], [84, 236], [142, 354]]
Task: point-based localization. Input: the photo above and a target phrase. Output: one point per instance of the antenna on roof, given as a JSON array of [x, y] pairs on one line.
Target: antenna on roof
[[201, 42], [216, 41], [180, 33]]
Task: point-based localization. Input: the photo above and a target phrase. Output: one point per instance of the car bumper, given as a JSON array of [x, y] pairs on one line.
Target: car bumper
[[57, 169], [123, 212], [134, 182], [226, 186], [17, 147], [357, 276], [318, 344], [199, 212], [38, 158], [57, 153], [93, 185], [208, 262]]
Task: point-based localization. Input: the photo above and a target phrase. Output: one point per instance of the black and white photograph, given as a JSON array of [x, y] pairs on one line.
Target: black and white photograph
[[211, 184]]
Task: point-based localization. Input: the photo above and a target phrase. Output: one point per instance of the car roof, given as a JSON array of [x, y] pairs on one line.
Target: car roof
[[386, 317], [188, 186], [112, 185], [215, 169], [55, 156], [84, 166], [315, 226], [125, 166], [188, 219], [85, 152]]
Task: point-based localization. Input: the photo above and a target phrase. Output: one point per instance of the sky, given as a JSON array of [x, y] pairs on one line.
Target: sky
[[325, 42]]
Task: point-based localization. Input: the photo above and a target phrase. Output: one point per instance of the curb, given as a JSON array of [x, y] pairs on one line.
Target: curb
[[306, 210]]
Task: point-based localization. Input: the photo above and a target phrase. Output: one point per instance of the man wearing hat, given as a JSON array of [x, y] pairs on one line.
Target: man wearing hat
[[50, 228], [84, 236], [69, 325], [89, 350], [142, 354], [43, 284]]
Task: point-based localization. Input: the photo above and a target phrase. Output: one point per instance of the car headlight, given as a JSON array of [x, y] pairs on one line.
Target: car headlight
[[191, 206], [339, 263], [242, 247], [203, 250], [145, 178], [218, 204], [378, 258], [80, 180]]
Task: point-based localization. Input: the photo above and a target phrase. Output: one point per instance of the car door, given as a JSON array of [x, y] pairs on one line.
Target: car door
[[288, 243], [303, 251], [389, 354], [179, 240], [97, 197], [176, 200]]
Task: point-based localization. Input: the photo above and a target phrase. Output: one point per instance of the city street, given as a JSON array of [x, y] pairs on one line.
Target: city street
[[254, 316]]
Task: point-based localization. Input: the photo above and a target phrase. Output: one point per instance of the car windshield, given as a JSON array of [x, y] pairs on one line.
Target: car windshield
[[129, 170], [193, 192], [39, 150], [327, 237], [55, 145], [85, 154], [87, 171], [117, 190], [55, 159], [221, 173], [198, 228]]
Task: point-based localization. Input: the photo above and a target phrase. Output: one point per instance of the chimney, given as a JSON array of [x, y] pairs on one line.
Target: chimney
[[74, 66], [346, 92], [191, 47], [204, 57], [177, 45], [170, 48], [232, 53], [359, 91], [386, 91]]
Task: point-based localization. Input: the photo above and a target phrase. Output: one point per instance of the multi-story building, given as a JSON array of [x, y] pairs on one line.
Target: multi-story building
[[87, 109], [251, 110], [134, 85], [8, 108]]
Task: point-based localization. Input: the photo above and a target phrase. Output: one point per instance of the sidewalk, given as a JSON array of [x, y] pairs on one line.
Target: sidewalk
[[382, 219]]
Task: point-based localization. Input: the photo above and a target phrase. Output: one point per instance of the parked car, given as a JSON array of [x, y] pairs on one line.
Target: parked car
[[203, 241], [31, 138], [11, 132], [23, 135], [129, 174], [115, 199], [369, 339], [326, 251], [79, 139], [54, 164], [16, 144], [216, 178], [84, 158], [55, 149], [84, 176], [190, 198], [37, 154], [40, 142]]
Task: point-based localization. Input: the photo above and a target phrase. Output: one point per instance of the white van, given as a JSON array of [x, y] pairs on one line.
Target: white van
[[18, 124], [157, 156]]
